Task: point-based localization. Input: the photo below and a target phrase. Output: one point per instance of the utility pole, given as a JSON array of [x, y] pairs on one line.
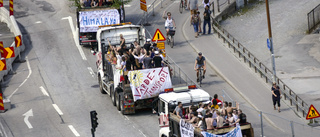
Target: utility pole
[[271, 43]]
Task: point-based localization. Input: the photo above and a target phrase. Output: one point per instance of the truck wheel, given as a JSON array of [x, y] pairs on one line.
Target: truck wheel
[[112, 93], [118, 99], [101, 85]]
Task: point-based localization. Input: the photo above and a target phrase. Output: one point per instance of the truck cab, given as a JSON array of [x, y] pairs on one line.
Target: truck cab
[[168, 100]]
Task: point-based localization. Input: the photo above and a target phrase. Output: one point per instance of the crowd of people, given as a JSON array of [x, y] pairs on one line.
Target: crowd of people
[[95, 3], [135, 57], [212, 115]]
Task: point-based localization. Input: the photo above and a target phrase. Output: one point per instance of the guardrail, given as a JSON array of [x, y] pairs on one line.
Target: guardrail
[[14, 28], [313, 18], [258, 67]]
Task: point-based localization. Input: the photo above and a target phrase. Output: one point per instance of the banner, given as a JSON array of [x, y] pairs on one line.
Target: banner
[[186, 129], [91, 20], [147, 83], [236, 132]]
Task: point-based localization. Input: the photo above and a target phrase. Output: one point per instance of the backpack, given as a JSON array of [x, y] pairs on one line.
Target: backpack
[[195, 18]]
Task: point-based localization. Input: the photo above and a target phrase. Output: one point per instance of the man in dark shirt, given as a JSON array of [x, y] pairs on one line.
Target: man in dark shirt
[[157, 60], [242, 117], [147, 45], [200, 63], [147, 61]]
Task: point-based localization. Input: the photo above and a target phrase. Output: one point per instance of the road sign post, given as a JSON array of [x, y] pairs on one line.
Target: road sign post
[[11, 7], [1, 3]]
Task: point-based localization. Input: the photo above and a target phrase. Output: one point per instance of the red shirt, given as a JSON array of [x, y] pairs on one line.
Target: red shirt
[[217, 101]]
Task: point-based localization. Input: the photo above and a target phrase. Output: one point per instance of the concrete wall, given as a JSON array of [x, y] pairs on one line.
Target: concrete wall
[[13, 26]]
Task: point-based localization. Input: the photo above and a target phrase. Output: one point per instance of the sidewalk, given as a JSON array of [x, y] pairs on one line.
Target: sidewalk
[[243, 80]]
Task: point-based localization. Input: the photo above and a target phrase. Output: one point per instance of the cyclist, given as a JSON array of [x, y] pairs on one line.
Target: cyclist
[[169, 24], [200, 63]]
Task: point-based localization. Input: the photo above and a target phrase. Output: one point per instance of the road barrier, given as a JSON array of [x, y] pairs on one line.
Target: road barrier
[[14, 28], [313, 18], [258, 67]]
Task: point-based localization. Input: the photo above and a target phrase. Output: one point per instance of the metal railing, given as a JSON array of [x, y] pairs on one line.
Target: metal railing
[[313, 18], [258, 67]]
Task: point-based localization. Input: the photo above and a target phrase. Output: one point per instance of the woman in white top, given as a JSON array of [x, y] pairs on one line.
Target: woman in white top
[[206, 2], [169, 24]]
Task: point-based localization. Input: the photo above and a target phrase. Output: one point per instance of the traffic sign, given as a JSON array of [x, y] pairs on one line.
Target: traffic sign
[[3, 65], [161, 45], [10, 52], [17, 40], [1, 3], [313, 113], [3, 52], [158, 36], [11, 7], [143, 5]]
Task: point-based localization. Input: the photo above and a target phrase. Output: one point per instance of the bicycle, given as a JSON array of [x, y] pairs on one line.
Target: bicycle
[[170, 39], [182, 5], [200, 75]]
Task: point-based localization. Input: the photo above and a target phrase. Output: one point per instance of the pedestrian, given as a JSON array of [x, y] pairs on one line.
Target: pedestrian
[[157, 60], [276, 95], [199, 24], [206, 3], [206, 20], [193, 6], [147, 45], [147, 61]]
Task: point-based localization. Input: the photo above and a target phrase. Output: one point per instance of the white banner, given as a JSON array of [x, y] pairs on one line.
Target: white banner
[[91, 20], [147, 83], [186, 129], [236, 132]]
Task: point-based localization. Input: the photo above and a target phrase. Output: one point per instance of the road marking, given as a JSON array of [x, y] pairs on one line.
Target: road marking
[[91, 71], [75, 36], [44, 91], [127, 6], [4, 132], [57, 109], [26, 117], [74, 131], [38, 22], [30, 72]]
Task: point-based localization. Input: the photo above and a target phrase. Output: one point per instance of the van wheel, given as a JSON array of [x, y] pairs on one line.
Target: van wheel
[[112, 93], [101, 85]]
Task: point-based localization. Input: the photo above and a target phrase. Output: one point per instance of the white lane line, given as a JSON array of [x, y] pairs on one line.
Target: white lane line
[[30, 72], [57, 109], [91, 71], [4, 132], [75, 36], [44, 91], [38, 22], [74, 131]]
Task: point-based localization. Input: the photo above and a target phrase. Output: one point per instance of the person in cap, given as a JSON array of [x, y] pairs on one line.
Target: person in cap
[[157, 60], [200, 63], [147, 45]]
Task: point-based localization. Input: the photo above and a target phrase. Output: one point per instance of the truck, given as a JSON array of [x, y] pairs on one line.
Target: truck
[[170, 123], [129, 90], [89, 20]]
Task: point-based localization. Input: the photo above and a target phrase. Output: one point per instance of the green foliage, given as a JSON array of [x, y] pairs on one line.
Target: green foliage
[[76, 3]]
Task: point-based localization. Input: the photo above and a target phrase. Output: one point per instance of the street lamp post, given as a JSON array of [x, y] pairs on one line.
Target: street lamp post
[[271, 43]]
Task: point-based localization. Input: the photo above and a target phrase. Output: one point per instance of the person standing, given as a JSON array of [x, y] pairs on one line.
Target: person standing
[[206, 20], [178, 110], [276, 95], [195, 19], [157, 60], [242, 117], [193, 6]]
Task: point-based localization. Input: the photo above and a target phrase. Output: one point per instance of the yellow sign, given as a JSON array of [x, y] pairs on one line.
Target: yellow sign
[[143, 5], [158, 36], [164, 53], [3, 65], [161, 45], [18, 40], [313, 113]]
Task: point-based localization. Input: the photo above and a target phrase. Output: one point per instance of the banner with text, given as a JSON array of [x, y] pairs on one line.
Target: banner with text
[[91, 20], [236, 132], [147, 83], [186, 129]]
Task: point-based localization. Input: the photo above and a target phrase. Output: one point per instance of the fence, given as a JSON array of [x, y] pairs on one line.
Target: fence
[[313, 19], [260, 68], [261, 128]]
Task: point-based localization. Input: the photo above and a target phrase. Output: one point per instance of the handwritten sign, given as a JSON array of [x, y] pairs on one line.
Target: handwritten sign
[[147, 83], [91, 20], [186, 129]]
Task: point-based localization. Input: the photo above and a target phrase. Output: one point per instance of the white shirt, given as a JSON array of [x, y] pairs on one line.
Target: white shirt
[[204, 5], [169, 22]]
